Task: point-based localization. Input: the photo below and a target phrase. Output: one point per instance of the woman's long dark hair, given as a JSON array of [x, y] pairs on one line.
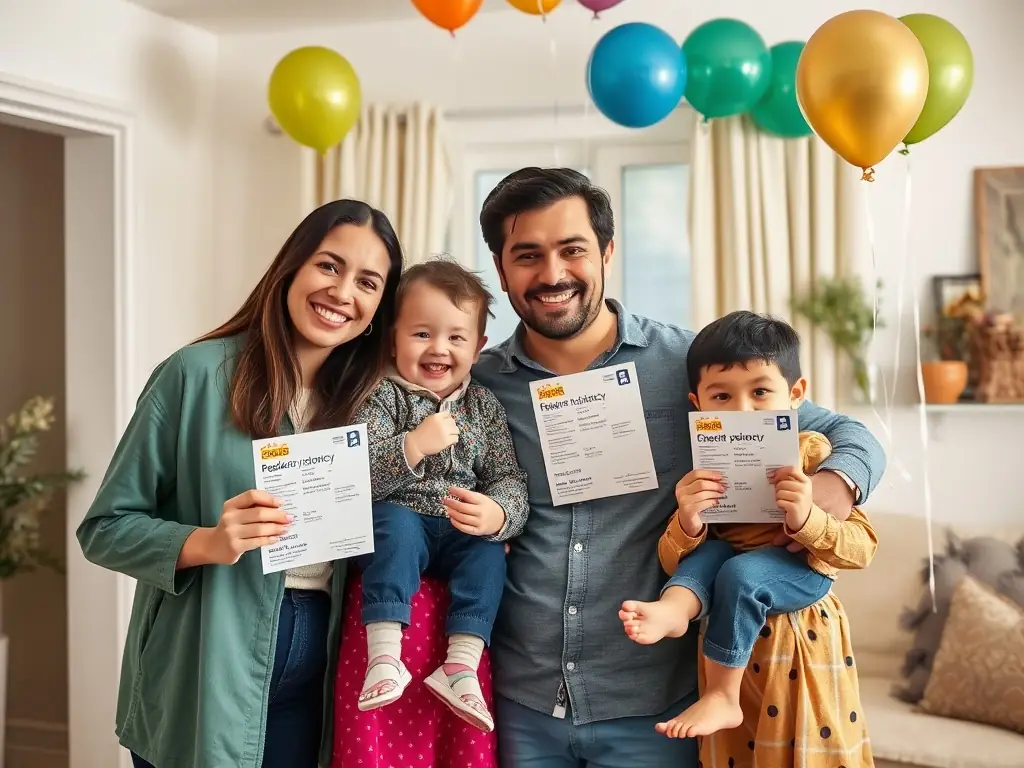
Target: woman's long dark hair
[[267, 370]]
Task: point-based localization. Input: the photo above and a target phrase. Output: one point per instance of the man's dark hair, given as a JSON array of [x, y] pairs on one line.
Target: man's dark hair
[[743, 337], [530, 189]]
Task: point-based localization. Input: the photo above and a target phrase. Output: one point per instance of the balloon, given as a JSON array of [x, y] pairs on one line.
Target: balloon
[[728, 68], [597, 6], [448, 14], [778, 111], [536, 7], [315, 97], [862, 81], [950, 73], [636, 74]]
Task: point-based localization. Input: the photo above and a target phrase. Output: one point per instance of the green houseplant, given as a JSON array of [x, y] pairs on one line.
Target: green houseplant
[[839, 307], [25, 497]]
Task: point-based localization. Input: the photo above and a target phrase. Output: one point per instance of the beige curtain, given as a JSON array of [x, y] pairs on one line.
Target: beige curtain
[[395, 159], [765, 222]]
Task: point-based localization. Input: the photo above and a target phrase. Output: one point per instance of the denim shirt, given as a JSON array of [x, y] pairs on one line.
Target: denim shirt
[[573, 565]]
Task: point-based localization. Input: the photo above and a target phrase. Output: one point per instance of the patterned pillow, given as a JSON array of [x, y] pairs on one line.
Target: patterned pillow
[[978, 673]]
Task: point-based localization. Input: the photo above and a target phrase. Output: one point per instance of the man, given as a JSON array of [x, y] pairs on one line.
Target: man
[[572, 689]]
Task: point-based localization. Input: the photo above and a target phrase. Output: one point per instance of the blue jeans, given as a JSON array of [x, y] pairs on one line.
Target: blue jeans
[[406, 544], [531, 739], [295, 712], [738, 591]]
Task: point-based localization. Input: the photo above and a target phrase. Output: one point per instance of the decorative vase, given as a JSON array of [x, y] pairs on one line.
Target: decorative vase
[[944, 381]]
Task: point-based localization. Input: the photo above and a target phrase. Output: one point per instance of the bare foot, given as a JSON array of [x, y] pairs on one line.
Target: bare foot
[[647, 623], [714, 711]]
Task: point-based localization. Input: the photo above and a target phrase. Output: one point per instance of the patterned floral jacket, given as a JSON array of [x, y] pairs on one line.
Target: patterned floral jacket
[[483, 460]]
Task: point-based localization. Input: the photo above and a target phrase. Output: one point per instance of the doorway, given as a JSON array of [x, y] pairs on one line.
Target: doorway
[[97, 398]]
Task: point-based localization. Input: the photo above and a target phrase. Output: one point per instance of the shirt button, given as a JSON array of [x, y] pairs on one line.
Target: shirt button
[[570, 666], [572, 610], [578, 547]]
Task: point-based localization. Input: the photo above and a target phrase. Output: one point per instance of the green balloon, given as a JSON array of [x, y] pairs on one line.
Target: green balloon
[[728, 68], [950, 73], [778, 112]]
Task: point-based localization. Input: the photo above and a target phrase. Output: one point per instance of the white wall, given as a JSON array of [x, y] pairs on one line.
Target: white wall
[[504, 59], [163, 73]]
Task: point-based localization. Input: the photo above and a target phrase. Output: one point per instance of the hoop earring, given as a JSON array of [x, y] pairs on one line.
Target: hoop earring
[[369, 330]]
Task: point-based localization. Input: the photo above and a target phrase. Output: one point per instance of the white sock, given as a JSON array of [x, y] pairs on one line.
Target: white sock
[[465, 649], [384, 638]]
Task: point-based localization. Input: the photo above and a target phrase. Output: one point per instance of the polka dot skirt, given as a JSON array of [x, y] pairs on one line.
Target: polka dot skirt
[[417, 731], [800, 698]]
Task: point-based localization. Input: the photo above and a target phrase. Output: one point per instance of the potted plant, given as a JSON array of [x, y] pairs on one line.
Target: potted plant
[[23, 500], [945, 372], [838, 307]]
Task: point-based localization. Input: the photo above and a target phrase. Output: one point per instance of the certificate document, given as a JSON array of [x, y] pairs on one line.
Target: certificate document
[[746, 447], [593, 434], [323, 477]]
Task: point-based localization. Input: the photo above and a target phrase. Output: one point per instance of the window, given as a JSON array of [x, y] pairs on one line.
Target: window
[[649, 189]]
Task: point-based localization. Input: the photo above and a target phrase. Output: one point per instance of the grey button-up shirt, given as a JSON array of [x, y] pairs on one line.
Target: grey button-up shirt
[[573, 565]]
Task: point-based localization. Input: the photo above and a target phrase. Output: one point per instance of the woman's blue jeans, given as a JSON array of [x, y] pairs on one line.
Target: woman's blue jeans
[[295, 713]]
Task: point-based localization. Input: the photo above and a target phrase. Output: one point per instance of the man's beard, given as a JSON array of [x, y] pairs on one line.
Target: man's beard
[[571, 322]]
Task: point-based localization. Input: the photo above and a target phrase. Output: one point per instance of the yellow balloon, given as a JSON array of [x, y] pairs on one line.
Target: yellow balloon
[[536, 7], [862, 81], [314, 95]]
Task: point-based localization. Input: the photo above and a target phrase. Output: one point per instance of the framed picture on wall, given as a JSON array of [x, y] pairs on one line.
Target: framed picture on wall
[[953, 294], [999, 227]]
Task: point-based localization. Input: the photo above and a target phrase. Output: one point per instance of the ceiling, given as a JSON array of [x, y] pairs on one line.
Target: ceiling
[[267, 15]]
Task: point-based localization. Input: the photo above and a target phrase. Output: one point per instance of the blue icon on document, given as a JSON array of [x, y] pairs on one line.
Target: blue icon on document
[[782, 423], [623, 376], [353, 438]]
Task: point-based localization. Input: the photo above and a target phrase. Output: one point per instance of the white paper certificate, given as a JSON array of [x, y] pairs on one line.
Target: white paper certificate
[[593, 434], [323, 477], [746, 447]]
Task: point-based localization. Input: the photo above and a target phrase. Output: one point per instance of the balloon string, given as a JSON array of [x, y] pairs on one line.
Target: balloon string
[[922, 412], [553, 50], [590, 31], [872, 348]]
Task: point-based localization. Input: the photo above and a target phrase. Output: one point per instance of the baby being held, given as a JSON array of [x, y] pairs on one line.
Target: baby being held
[[447, 488]]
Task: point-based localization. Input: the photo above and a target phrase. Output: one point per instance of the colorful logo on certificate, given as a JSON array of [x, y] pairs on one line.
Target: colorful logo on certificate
[[549, 391], [709, 425], [273, 451]]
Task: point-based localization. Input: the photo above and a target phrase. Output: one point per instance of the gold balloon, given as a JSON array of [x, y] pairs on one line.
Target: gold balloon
[[862, 81]]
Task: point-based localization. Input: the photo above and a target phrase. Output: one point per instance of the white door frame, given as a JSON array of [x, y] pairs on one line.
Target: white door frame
[[100, 390]]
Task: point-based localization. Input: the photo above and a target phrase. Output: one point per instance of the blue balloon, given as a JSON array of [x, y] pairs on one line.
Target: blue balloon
[[636, 74]]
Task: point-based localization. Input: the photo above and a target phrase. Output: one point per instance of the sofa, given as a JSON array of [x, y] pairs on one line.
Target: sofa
[[902, 736]]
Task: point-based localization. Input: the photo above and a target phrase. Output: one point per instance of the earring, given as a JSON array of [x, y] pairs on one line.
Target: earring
[[369, 330]]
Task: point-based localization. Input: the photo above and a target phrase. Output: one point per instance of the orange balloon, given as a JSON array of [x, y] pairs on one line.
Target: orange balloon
[[448, 14], [536, 7]]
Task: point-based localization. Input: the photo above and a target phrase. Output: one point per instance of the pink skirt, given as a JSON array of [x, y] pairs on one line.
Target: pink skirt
[[417, 731]]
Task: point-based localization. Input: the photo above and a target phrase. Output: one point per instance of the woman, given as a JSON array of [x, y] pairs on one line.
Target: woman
[[223, 665]]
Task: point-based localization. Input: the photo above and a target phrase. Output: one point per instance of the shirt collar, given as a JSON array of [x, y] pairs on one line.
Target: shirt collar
[[629, 332]]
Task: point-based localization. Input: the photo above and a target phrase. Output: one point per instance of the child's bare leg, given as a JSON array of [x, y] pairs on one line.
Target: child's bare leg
[[670, 616], [718, 708]]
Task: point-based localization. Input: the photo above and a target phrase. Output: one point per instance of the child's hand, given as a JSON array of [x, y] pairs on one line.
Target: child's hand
[[474, 513], [435, 433], [699, 489], [794, 495]]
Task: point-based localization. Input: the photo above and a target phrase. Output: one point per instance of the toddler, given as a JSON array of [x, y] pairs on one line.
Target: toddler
[[730, 572], [447, 488]]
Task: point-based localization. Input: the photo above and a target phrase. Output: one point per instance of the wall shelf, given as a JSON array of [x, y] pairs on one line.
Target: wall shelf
[[976, 408]]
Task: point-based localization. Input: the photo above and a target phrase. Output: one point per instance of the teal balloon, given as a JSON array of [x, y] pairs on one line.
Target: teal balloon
[[778, 111], [728, 68]]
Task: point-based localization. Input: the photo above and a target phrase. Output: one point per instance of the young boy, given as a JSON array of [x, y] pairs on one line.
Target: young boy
[[449, 487], [731, 573]]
